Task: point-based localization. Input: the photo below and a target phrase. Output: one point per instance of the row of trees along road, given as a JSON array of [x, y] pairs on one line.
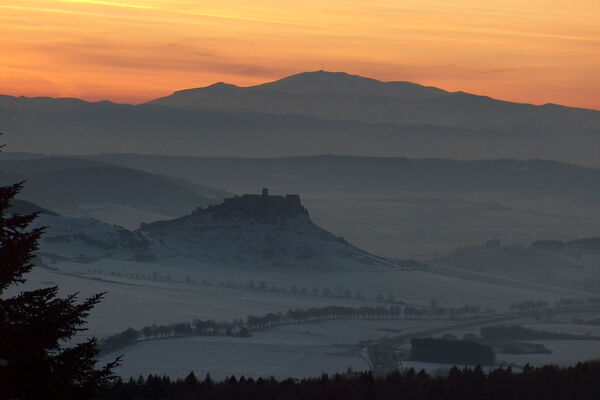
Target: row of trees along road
[[242, 328]]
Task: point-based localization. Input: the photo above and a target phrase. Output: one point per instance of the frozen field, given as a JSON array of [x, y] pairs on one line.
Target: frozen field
[[137, 303], [293, 350], [288, 351], [132, 302]]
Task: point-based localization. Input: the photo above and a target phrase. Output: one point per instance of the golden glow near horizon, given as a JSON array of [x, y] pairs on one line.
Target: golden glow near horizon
[[135, 50]]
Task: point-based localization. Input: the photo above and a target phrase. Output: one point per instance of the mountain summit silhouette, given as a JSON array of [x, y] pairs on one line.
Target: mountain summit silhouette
[[318, 82]]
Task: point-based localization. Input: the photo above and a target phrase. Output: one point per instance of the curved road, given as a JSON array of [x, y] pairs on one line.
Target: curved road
[[379, 354]]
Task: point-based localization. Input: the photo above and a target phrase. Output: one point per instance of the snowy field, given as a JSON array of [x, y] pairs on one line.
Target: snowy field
[[418, 287], [137, 303], [132, 302], [282, 353], [301, 350]]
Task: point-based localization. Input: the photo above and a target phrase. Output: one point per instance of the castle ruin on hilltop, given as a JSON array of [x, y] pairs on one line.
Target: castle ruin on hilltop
[[259, 205], [255, 206], [247, 201]]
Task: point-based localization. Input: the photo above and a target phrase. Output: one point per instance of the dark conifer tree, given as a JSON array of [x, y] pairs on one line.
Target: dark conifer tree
[[36, 325]]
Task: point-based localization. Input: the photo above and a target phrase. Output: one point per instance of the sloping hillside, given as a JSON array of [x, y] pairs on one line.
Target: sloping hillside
[[83, 239], [66, 188], [25, 207], [82, 187]]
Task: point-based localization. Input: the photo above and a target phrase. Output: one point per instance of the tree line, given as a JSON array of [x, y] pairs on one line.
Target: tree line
[[548, 382], [244, 327]]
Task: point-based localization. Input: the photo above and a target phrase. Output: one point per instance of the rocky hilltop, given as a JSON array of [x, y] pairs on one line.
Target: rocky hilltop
[[258, 207], [256, 231]]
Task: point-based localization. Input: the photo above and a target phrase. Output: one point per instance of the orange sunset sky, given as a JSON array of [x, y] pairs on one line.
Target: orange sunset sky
[[135, 50]]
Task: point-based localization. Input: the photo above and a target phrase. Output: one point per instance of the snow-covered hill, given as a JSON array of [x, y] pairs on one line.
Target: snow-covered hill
[[256, 231], [252, 231], [85, 239]]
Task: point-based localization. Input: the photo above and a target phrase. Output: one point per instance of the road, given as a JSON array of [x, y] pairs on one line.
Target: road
[[380, 353]]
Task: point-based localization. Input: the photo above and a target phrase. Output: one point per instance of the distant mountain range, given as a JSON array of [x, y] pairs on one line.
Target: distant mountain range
[[342, 97], [309, 113]]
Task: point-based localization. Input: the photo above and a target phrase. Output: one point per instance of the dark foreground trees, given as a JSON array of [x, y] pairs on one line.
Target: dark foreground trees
[[35, 325], [580, 382]]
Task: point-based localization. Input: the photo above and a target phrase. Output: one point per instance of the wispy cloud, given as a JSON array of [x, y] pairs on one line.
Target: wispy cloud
[[158, 15], [65, 11], [94, 52], [249, 18], [110, 4]]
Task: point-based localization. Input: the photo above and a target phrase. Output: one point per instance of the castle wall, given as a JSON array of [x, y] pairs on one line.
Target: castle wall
[[247, 201], [293, 200], [260, 204]]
